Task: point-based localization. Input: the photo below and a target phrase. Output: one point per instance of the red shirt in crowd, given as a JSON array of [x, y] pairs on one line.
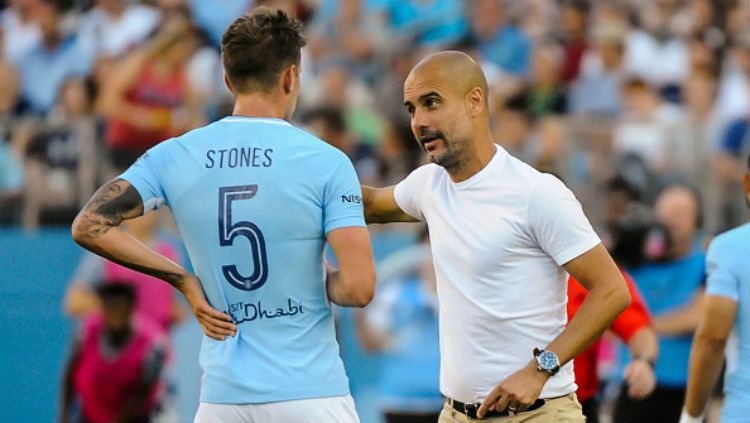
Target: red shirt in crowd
[[633, 319]]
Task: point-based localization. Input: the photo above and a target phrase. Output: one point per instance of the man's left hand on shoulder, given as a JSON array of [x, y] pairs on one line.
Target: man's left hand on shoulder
[[517, 392]]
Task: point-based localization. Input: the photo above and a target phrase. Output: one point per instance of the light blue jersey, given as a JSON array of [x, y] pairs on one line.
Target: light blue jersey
[[729, 276], [254, 199]]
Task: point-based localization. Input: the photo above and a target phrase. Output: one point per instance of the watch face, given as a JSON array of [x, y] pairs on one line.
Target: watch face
[[548, 360]]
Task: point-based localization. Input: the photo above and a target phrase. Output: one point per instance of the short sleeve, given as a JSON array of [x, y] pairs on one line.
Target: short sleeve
[[557, 221], [342, 202], [90, 271], [721, 279], [145, 180], [408, 193], [635, 317]]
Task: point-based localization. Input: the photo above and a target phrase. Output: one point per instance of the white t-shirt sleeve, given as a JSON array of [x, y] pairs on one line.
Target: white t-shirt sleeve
[[408, 193], [557, 221]]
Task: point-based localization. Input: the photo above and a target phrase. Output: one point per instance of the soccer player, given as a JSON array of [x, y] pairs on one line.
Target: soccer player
[[504, 238], [116, 365], [727, 308], [255, 200]]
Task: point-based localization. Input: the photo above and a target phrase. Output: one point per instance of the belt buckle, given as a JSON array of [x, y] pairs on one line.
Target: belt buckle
[[470, 410]]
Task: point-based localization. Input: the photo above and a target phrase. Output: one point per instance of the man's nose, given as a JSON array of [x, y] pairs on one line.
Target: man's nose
[[420, 123]]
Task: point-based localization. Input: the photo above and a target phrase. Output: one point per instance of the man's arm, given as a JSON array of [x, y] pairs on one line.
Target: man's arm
[[683, 320], [608, 297], [639, 373], [381, 207], [353, 285], [96, 228], [706, 356]]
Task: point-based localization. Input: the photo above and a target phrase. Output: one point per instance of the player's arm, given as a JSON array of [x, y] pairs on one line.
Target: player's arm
[[634, 327], [353, 285], [682, 321], [608, 297], [96, 228], [707, 353], [381, 207]]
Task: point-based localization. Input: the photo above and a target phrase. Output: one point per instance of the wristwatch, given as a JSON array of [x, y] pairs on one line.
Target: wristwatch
[[547, 361]]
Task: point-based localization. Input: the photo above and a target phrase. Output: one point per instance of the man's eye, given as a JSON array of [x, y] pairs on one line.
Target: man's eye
[[432, 103], [410, 110]]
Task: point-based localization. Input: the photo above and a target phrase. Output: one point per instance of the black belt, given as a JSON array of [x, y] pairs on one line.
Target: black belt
[[470, 410]]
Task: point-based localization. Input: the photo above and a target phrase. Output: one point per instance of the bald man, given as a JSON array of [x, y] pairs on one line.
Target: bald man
[[504, 238]]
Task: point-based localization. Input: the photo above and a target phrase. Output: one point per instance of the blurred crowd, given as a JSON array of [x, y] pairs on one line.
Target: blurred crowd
[[619, 98], [654, 91]]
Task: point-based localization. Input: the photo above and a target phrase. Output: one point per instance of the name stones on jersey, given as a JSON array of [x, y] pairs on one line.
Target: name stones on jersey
[[239, 157]]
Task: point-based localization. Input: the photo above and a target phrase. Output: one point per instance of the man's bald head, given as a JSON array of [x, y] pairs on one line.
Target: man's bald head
[[453, 69]]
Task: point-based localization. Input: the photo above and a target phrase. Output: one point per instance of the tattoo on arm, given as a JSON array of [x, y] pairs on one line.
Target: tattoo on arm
[[111, 204]]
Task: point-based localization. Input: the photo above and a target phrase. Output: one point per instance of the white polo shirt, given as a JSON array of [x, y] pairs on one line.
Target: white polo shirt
[[498, 240]]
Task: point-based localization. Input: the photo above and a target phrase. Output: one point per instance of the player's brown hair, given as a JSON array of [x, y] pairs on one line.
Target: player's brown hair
[[258, 46]]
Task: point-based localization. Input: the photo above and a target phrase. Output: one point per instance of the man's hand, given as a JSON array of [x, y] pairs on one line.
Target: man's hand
[[517, 392], [215, 324], [640, 378]]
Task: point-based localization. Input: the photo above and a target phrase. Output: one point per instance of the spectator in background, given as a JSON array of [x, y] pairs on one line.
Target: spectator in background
[[499, 42], [649, 128], [60, 157], [20, 28], [328, 124], [574, 33], [113, 27], [350, 31], [545, 94], [398, 153], [402, 323], [115, 366], [11, 167], [54, 59], [512, 127], [733, 101], [672, 288], [215, 20], [596, 91], [734, 144], [147, 97], [653, 53], [426, 23]]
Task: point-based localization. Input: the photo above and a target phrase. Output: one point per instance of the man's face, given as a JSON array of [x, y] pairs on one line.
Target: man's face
[[677, 210], [439, 119], [117, 313]]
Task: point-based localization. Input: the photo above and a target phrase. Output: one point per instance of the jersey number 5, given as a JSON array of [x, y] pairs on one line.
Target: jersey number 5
[[228, 231]]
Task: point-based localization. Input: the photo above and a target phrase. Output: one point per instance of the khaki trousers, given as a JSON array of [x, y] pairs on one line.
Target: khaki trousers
[[565, 409]]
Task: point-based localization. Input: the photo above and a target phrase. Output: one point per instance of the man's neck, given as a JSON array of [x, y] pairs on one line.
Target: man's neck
[[256, 105], [478, 159]]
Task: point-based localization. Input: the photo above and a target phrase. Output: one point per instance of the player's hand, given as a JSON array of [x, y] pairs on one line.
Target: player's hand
[[517, 392], [215, 324], [640, 378]]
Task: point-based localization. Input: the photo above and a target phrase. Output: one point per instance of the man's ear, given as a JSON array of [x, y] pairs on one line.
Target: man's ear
[[477, 101], [288, 79], [228, 83]]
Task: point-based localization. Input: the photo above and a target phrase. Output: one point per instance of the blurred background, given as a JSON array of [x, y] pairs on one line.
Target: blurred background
[[621, 99]]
